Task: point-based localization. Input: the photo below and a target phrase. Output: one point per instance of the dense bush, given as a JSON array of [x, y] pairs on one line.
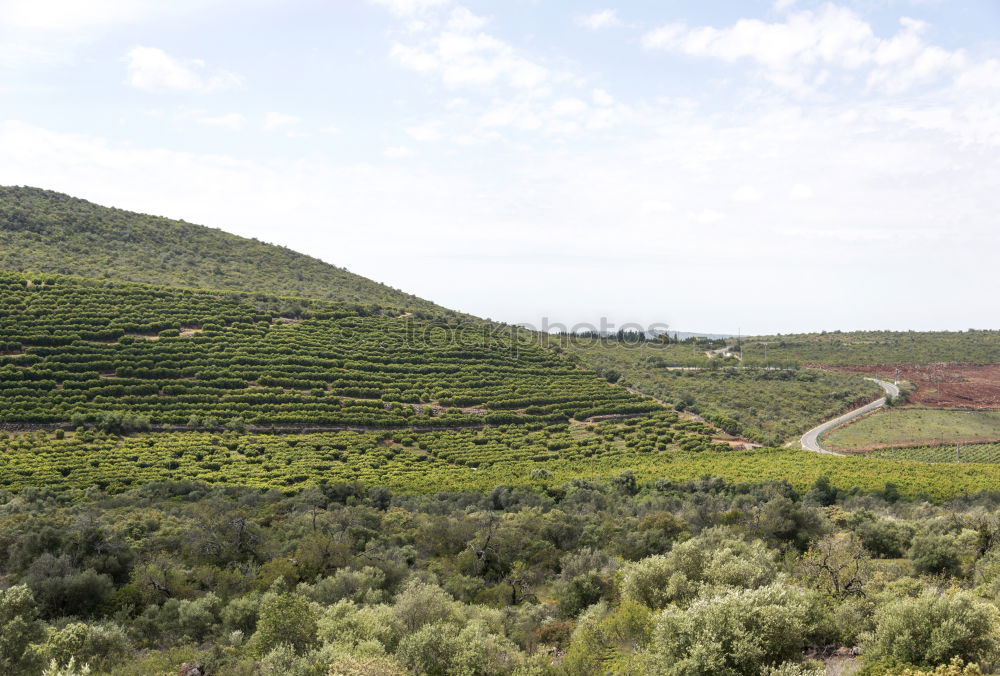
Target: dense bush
[[933, 628], [741, 631], [511, 581]]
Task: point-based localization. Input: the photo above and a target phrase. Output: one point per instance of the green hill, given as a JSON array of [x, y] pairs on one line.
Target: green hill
[[47, 232], [877, 347]]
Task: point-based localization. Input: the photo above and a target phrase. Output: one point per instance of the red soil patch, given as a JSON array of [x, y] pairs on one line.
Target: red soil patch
[[942, 384]]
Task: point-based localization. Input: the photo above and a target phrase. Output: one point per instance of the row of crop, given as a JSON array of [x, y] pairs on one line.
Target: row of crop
[[295, 366], [89, 458]]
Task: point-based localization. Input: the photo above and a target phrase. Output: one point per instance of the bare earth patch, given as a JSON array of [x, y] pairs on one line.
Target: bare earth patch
[[942, 384]]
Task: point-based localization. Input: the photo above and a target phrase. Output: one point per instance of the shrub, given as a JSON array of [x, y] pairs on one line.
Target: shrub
[[714, 558], [96, 645], [420, 603], [285, 619], [933, 628], [431, 649], [936, 555], [885, 539], [740, 631], [19, 628]]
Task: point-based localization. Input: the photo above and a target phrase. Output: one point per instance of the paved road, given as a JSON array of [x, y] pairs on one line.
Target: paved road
[[810, 440]]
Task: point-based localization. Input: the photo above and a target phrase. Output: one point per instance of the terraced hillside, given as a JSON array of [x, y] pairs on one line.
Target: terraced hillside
[[47, 232], [89, 353]]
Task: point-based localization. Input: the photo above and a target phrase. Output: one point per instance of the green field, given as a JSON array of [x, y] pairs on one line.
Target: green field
[[909, 425], [980, 453], [457, 460], [769, 406]]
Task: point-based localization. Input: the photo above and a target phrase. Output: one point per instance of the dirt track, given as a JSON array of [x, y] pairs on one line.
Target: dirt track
[[941, 385]]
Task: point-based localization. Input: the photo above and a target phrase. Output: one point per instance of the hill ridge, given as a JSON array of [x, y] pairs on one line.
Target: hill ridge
[[44, 231]]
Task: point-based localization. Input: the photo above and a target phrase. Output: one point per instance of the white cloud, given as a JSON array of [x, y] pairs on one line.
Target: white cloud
[[152, 69], [462, 20], [47, 32], [800, 192], [799, 52], [279, 122], [653, 207], [68, 15], [471, 60], [430, 131], [985, 75], [783, 5], [397, 152], [602, 98], [231, 121], [331, 129], [13, 55], [410, 7], [462, 55], [606, 18], [709, 216], [746, 193], [569, 107]]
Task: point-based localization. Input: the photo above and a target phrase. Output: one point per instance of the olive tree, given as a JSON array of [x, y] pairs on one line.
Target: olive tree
[[737, 631], [933, 628]]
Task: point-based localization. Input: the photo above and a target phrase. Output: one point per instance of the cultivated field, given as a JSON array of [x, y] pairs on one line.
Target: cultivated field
[[986, 453], [659, 450], [914, 426]]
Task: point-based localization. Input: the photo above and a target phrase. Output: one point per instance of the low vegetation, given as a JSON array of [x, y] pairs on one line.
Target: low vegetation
[[703, 577], [892, 426], [878, 347], [47, 232], [656, 448], [957, 452], [767, 405]]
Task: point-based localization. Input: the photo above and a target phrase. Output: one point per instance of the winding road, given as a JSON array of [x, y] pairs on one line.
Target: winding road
[[810, 440]]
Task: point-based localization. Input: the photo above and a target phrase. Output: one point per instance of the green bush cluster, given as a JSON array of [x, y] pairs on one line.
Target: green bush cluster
[[702, 577]]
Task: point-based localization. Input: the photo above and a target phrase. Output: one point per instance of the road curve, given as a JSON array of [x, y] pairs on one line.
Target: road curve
[[810, 440]]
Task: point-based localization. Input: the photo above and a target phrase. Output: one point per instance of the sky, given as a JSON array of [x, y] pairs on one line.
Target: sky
[[752, 166]]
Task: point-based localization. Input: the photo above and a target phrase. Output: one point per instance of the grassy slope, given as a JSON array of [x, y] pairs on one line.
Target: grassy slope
[[44, 231], [907, 425]]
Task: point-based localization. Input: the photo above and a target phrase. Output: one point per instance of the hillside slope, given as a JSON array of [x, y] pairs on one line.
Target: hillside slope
[[47, 232], [77, 350]]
